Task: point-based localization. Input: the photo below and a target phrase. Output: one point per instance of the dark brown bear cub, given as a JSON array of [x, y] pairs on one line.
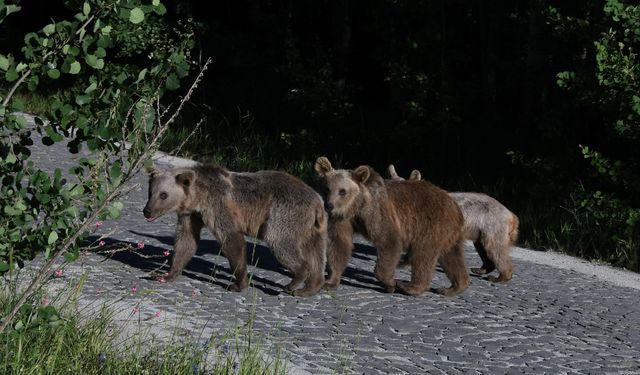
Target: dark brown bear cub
[[394, 215], [489, 224], [274, 206]]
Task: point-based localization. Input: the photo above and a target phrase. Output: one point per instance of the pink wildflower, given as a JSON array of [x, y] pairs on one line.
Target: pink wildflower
[[134, 289], [140, 245], [166, 253], [162, 279], [58, 272], [99, 224], [101, 243], [157, 314]]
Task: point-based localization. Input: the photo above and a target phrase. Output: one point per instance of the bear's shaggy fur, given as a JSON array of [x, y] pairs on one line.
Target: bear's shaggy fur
[[270, 205], [491, 227], [395, 215]]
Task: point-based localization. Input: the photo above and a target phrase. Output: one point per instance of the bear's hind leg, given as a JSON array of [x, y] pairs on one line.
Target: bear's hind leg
[[314, 251], [454, 267], [502, 260], [287, 252], [298, 276]]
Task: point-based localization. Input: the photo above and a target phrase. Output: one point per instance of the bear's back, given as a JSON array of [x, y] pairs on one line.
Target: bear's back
[[423, 204], [279, 187]]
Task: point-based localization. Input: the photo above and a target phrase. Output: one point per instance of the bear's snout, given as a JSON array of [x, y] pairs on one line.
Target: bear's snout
[[328, 206], [146, 212]]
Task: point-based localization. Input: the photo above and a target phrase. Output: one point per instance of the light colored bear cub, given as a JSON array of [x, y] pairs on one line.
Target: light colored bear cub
[[270, 205]]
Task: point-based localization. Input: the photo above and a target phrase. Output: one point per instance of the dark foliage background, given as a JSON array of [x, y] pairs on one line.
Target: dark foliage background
[[522, 100]]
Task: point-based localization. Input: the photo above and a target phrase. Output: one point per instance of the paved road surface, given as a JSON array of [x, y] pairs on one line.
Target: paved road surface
[[548, 319]]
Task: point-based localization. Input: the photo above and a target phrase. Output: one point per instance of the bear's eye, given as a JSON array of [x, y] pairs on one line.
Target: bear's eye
[[342, 192], [163, 196]]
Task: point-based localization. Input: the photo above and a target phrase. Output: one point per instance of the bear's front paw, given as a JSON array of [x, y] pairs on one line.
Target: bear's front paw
[[331, 284], [235, 288], [478, 271], [408, 288], [389, 288]]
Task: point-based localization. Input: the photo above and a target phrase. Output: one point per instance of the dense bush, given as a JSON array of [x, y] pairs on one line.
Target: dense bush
[[109, 63], [603, 207]]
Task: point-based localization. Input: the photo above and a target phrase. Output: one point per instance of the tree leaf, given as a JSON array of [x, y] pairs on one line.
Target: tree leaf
[[49, 29], [74, 68], [172, 82], [11, 75], [91, 60], [86, 8], [100, 52], [141, 75], [136, 16], [53, 73], [70, 256], [4, 62], [92, 87], [53, 237], [20, 67], [115, 170], [12, 8], [83, 99]]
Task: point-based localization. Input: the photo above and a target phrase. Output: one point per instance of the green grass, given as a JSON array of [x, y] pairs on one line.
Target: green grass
[[239, 146], [31, 102], [571, 230], [56, 340]]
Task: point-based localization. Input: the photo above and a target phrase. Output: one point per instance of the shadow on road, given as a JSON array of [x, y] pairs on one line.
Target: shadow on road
[[215, 270]]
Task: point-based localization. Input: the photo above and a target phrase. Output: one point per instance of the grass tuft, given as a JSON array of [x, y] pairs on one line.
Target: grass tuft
[[48, 339]]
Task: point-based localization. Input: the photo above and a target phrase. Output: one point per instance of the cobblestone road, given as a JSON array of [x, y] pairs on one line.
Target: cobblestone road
[[546, 320]]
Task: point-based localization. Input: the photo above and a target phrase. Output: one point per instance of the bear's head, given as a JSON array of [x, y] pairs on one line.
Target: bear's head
[[168, 191], [344, 189]]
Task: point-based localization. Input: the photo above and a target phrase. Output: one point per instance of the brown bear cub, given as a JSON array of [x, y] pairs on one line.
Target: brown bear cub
[[395, 215], [491, 227], [274, 206]]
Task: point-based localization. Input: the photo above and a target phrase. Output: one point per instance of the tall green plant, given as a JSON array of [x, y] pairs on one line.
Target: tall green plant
[[110, 106], [606, 204]]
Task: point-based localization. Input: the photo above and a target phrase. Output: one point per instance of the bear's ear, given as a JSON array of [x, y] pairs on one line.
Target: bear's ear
[[392, 172], [186, 178], [361, 174], [415, 175], [151, 169], [323, 166]]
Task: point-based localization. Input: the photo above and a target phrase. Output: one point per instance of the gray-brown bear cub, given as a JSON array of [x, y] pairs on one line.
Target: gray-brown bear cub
[[274, 206], [394, 215], [491, 227]]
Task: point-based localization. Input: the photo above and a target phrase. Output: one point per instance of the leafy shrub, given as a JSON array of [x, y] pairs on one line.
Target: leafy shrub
[[114, 61], [603, 208]]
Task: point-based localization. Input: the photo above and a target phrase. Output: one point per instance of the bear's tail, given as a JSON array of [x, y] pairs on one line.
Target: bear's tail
[[320, 218], [513, 231]]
